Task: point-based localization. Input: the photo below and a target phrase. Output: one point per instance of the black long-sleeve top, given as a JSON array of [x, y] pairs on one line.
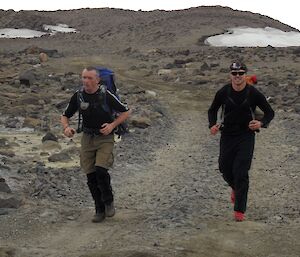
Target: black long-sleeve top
[[237, 113], [94, 116]]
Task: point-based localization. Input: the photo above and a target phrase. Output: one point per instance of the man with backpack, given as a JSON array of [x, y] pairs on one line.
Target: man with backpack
[[238, 126], [95, 103]]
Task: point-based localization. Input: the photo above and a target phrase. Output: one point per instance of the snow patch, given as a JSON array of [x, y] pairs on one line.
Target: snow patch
[[255, 37], [29, 33]]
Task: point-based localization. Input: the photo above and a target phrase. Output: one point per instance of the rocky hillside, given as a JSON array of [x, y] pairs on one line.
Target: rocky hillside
[[103, 30]]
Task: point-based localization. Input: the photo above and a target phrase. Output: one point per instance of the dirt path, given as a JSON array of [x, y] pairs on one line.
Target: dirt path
[[178, 205]]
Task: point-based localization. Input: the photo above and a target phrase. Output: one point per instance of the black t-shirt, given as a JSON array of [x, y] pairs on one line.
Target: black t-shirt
[[237, 112], [94, 116]]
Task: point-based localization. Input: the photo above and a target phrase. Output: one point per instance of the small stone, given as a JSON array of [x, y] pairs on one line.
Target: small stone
[[49, 136]]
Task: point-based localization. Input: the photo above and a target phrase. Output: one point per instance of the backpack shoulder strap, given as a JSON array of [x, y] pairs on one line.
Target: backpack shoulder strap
[[248, 102], [103, 99], [79, 100], [227, 95]]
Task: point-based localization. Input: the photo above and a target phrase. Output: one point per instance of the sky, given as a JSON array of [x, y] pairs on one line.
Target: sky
[[285, 11]]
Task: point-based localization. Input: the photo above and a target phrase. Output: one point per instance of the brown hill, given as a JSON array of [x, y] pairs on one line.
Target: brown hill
[[116, 29]]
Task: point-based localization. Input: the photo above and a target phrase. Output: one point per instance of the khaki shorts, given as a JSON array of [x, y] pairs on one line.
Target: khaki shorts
[[96, 151]]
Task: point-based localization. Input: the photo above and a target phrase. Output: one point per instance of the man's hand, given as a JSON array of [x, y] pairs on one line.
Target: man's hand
[[215, 129], [106, 129], [255, 125], [69, 132]]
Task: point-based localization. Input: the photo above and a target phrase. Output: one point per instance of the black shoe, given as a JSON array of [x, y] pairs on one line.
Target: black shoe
[[98, 217], [110, 210]]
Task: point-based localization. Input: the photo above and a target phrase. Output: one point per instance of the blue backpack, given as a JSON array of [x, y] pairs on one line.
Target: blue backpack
[[107, 82], [107, 79]]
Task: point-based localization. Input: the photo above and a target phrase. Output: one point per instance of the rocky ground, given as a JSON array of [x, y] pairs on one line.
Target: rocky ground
[[170, 197]]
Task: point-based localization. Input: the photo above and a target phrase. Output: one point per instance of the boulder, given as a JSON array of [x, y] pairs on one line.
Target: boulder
[[43, 57], [7, 251], [150, 93], [8, 201], [50, 136], [58, 157], [7, 152], [4, 142], [205, 67], [32, 50], [4, 187], [297, 51], [29, 99], [140, 122], [32, 122], [27, 77], [50, 145], [162, 72]]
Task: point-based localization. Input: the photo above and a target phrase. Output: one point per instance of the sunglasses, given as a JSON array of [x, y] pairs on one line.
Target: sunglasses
[[235, 73]]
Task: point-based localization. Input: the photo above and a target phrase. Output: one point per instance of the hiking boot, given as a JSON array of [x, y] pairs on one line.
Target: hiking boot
[[239, 216], [232, 196], [98, 217], [110, 210]]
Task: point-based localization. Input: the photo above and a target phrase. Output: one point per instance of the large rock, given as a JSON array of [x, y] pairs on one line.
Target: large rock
[[4, 142], [205, 67], [4, 187], [43, 57], [38, 50], [50, 145], [27, 77], [164, 72], [6, 152], [58, 157], [8, 201], [30, 99], [7, 252], [32, 50], [150, 93], [50, 136], [297, 51], [32, 122], [13, 122], [51, 52], [140, 122]]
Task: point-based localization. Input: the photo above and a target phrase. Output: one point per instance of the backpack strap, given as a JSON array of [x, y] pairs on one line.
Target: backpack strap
[[79, 100], [103, 100]]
